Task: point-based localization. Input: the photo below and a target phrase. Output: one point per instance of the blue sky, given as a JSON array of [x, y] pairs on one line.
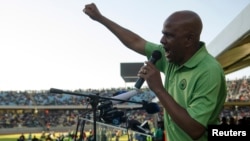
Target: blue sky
[[52, 43]]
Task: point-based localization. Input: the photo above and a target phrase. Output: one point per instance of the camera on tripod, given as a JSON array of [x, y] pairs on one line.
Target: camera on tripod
[[110, 114]]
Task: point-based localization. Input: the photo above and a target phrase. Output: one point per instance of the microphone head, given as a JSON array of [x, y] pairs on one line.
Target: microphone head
[[58, 91], [152, 108], [156, 55]]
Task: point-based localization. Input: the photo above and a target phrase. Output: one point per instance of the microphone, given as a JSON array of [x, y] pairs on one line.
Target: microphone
[[151, 108], [156, 55], [54, 90], [124, 96], [139, 127], [144, 127]]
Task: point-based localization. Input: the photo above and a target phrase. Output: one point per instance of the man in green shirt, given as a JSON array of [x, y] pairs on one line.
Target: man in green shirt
[[194, 88]]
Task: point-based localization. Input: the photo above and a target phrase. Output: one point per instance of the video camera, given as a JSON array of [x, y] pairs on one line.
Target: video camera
[[110, 114]]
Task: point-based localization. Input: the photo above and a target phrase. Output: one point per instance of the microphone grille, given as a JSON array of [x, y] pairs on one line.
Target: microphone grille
[[156, 55], [152, 108]]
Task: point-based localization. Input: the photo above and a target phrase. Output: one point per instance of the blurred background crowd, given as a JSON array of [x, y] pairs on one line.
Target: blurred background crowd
[[66, 116]]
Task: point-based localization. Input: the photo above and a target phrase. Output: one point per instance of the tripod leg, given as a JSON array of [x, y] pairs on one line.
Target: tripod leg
[[78, 122], [82, 135]]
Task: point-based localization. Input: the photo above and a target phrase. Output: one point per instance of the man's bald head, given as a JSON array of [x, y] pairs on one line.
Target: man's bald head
[[187, 21]]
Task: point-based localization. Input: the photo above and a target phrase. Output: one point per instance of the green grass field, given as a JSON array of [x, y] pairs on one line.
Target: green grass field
[[14, 137]]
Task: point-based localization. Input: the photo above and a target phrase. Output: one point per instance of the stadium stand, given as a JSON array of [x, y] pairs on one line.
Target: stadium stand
[[35, 109]]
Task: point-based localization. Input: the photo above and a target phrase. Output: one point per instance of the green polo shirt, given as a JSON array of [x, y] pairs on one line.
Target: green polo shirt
[[199, 86]]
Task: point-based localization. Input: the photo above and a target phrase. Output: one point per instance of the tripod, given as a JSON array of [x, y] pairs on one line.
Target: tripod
[[94, 101]]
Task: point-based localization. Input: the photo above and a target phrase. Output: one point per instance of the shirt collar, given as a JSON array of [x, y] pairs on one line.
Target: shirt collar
[[197, 57]]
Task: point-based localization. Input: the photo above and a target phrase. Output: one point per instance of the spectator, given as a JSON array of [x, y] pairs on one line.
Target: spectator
[[90, 136], [35, 138], [232, 121], [21, 138], [224, 121], [158, 135], [30, 137]]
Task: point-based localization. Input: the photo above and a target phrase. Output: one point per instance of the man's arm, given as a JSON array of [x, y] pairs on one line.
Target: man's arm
[[178, 114], [128, 38]]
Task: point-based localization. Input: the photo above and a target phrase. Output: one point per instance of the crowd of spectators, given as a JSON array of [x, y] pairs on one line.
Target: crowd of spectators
[[47, 118], [45, 98], [238, 91]]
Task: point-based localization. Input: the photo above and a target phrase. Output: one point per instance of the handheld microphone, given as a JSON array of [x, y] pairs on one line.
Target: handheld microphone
[[156, 55]]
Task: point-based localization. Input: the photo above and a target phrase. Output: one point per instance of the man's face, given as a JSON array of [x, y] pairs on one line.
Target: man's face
[[173, 42]]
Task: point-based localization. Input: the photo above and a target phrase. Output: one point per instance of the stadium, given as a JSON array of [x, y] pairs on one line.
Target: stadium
[[34, 112]]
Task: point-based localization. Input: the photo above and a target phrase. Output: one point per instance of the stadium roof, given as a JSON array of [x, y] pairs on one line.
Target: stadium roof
[[232, 46]]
